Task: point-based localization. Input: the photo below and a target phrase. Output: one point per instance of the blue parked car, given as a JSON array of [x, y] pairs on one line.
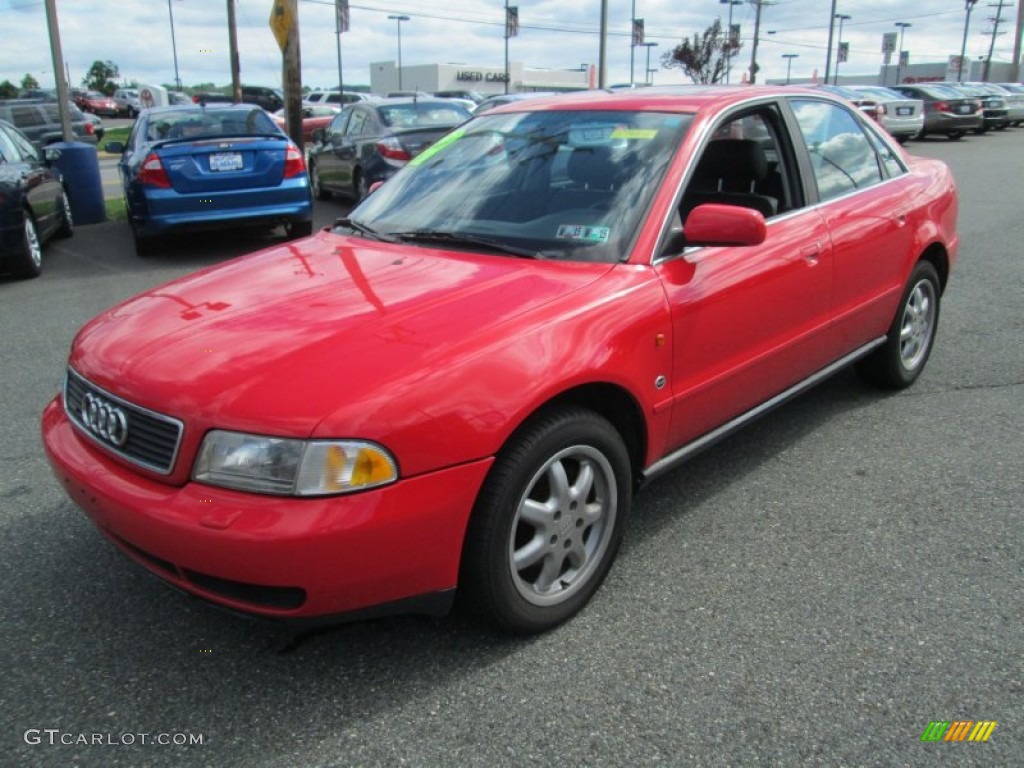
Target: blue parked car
[[211, 166]]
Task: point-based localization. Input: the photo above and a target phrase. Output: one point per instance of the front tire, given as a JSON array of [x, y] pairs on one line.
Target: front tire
[[316, 185], [900, 360], [548, 522]]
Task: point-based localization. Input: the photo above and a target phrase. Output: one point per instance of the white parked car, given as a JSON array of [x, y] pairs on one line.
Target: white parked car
[[901, 116]]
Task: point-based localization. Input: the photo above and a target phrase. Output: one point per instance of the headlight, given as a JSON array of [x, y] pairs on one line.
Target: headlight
[[287, 467]]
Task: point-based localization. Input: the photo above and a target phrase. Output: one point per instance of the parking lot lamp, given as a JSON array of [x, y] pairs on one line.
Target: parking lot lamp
[[789, 63], [398, 22]]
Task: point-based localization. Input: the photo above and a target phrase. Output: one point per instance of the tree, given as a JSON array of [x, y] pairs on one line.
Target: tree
[[29, 83], [703, 59], [8, 90], [102, 76]]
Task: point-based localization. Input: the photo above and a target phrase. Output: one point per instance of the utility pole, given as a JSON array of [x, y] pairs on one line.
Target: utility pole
[[291, 79], [995, 32], [58, 70], [236, 69], [602, 59], [831, 28], [758, 4]]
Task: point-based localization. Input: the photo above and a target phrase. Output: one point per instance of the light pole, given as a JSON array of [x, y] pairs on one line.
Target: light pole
[[789, 63], [968, 6], [648, 46], [174, 45], [398, 23], [728, 36], [839, 44], [903, 28]]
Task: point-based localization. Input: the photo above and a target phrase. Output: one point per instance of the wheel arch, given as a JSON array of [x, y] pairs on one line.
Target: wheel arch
[[610, 401], [938, 256]]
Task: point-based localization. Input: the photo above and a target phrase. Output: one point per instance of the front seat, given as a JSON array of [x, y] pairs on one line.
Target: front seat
[[728, 173]]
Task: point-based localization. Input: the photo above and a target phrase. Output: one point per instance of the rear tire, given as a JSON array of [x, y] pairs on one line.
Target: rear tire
[[29, 261], [297, 229], [955, 136], [360, 189], [67, 223], [144, 246], [547, 524], [900, 360]]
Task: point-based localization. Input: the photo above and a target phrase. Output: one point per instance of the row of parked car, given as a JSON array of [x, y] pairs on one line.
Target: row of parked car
[[939, 108], [174, 176]]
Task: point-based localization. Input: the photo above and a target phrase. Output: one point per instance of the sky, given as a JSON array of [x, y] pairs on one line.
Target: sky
[[555, 34]]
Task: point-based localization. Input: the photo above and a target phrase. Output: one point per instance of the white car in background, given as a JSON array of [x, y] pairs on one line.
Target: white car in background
[[901, 116]]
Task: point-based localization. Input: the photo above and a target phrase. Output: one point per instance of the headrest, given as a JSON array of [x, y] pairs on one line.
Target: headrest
[[738, 159]]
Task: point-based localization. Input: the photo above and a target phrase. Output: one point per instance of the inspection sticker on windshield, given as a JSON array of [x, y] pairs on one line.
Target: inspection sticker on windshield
[[583, 233], [634, 133]]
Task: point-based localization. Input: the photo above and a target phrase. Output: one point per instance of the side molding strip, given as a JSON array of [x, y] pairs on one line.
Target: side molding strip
[[690, 450]]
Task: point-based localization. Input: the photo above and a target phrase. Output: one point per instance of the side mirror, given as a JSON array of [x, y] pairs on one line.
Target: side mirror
[[713, 224], [318, 136], [114, 147]]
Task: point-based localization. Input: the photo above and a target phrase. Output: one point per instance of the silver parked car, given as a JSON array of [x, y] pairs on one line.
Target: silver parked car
[[127, 100], [901, 116]]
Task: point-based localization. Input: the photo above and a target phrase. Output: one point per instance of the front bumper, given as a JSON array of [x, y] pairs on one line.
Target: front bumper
[[277, 557]]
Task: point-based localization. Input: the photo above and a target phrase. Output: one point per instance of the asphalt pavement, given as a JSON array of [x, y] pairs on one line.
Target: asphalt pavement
[[813, 591]]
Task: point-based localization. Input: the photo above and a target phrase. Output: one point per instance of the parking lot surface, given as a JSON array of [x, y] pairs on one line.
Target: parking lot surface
[[813, 591]]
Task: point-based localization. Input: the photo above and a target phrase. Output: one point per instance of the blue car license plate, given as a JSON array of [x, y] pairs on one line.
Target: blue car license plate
[[226, 161]]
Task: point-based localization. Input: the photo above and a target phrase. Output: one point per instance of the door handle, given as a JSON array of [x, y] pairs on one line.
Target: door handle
[[811, 253]]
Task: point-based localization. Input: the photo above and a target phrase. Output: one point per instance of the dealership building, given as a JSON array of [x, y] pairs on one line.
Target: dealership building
[[384, 78]]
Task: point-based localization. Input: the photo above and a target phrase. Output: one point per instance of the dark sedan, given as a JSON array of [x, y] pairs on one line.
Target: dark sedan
[[370, 141], [33, 204], [197, 167]]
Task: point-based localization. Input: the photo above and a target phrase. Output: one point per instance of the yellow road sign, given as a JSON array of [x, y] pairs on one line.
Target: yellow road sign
[[281, 21]]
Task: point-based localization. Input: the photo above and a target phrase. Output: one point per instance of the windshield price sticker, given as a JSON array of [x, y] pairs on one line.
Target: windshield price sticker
[[582, 233], [634, 133]]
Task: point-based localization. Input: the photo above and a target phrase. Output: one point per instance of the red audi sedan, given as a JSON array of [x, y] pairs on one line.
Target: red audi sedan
[[455, 392]]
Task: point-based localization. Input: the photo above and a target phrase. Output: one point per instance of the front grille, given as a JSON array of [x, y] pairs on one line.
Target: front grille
[[152, 439]]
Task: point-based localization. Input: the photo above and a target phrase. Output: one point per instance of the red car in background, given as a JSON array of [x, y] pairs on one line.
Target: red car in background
[[314, 116], [462, 385], [96, 102]]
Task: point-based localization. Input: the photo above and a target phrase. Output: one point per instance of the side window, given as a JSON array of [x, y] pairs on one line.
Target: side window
[[25, 148], [744, 163], [337, 125], [8, 152], [355, 125], [842, 157], [27, 116]]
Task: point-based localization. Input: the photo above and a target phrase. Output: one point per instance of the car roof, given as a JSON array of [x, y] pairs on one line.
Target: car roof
[[668, 98], [218, 106]]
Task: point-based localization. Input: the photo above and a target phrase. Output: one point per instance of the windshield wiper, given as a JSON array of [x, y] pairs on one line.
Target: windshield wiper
[[365, 231], [456, 238]]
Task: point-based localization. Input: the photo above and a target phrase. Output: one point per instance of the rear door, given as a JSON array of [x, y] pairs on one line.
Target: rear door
[[865, 195]]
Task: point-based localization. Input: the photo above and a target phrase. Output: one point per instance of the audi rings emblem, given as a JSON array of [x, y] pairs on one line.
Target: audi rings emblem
[[104, 419]]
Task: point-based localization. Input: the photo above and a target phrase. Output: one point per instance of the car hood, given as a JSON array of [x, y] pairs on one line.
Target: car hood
[[279, 340]]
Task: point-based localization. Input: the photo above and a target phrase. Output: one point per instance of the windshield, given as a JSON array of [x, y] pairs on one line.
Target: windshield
[[557, 185]]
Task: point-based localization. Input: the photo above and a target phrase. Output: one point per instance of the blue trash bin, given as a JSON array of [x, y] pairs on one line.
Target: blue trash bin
[[80, 166]]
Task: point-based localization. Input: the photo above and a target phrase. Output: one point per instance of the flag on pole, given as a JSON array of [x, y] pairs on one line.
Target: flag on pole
[[343, 15], [638, 32], [512, 21]]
